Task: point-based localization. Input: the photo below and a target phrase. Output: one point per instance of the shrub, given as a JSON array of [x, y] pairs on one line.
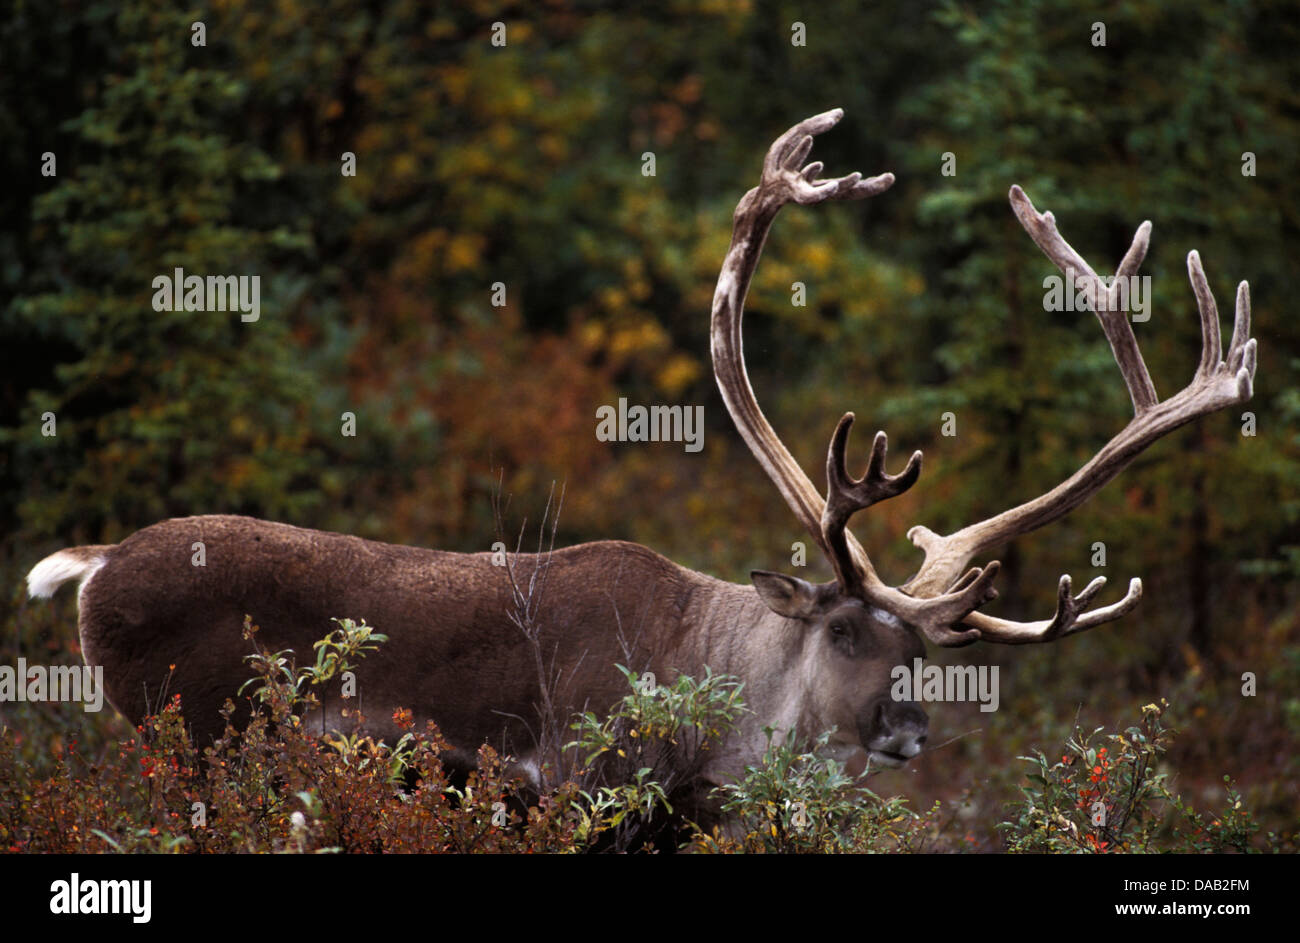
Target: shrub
[[637, 785], [798, 801], [274, 786], [1106, 794], [648, 756]]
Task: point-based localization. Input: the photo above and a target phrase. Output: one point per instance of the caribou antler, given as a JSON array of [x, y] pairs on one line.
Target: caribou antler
[[938, 601], [1217, 383], [783, 182]]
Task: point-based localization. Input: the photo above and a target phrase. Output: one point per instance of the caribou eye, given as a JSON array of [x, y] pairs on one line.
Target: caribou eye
[[839, 630]]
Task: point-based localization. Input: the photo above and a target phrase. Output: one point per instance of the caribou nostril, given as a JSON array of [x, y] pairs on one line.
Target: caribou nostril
[[920, 741]]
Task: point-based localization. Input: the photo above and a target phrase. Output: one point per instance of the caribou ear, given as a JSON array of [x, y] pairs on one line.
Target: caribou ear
[[787, 595]]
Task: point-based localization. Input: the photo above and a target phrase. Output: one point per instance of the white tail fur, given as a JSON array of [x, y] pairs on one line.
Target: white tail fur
[[75, 563]]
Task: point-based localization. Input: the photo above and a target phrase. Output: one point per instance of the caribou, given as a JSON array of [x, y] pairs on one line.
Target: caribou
[[813, 657]]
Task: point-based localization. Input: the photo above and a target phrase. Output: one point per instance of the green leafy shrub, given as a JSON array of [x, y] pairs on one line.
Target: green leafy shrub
[[1106, 794], [798, 801], [649, 754]]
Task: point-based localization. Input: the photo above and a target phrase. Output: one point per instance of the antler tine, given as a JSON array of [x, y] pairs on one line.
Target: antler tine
[[1211, 337], [845, 496], [1114, 324], [1240, 328], [1133, 258]]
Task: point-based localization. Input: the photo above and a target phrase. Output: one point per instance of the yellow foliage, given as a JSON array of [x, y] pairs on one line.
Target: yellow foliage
[[645, 337], [405, 166], [454, 82], [463, 252], [638, 286], [418, 261], [592, 336], [819, 256], [613, 299], [679, 372]]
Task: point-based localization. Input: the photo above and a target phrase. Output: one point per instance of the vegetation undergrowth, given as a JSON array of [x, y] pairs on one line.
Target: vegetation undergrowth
[[277, 786]]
